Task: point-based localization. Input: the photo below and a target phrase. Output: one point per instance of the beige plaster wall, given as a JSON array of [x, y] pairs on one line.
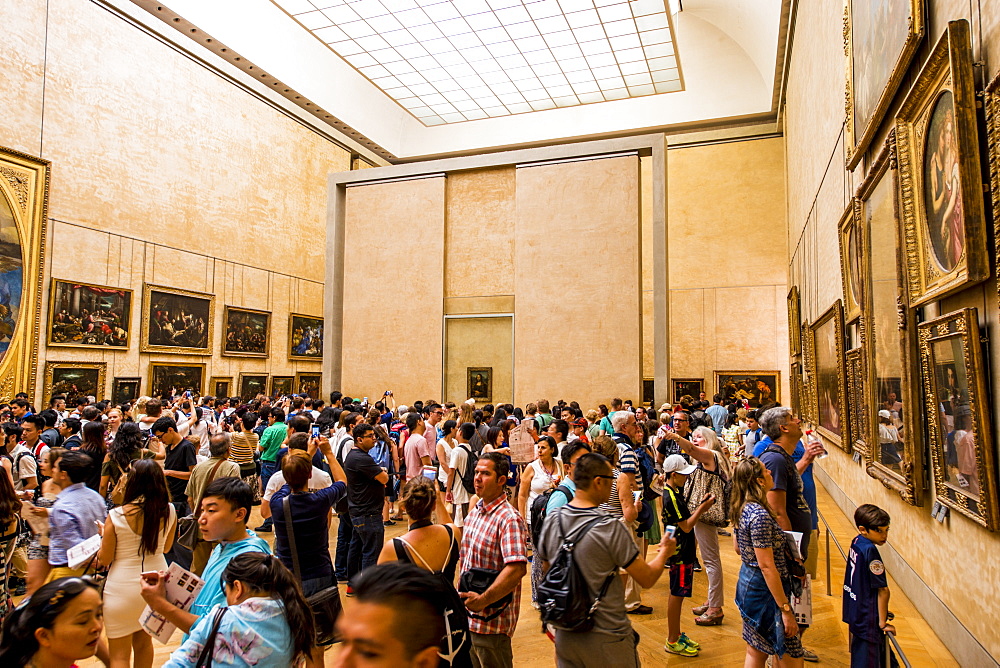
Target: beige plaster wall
[[819, 188], [394, 346], [596, 314], [479, 342], [163, 171]]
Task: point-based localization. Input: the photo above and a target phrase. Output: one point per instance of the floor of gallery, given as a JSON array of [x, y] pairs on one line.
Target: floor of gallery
[[721, 645]]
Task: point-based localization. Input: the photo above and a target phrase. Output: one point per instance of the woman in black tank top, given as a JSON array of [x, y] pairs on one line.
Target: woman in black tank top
[[433, 547]]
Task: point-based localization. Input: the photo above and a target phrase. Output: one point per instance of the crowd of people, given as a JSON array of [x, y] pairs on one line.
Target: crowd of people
[[613, 499]]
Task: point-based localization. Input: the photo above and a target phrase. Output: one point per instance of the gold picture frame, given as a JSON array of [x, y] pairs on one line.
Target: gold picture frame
[[252, 384], [154, 336], [75, 378], [282, 385], [853, 253], [939, 174], [242, 344], [737, 385], [959, 426], [857, 406], [991, 104], [179, 376], [68, 327], [795, 386], [794, 322], [299, 340], [125, 390], [216, 383], [693, 387], [24, 198], [866, 35], [808, 396], [308, 382], [830, 407]]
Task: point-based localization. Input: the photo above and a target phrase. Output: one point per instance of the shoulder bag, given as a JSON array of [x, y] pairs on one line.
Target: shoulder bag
[[205, 658], [188, 532], [703, 482], [324, 604]]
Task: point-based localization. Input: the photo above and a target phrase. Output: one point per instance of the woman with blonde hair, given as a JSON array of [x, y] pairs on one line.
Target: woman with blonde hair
[[763, 592], [706, 450], [465, 413]]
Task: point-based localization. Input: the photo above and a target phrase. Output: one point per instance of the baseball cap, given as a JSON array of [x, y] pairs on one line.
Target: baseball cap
[[580, 422], [885, 414], [677, 464], [665, 407]]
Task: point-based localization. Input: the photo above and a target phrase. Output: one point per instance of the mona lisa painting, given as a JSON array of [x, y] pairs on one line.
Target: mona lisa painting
[[940, 184], [480, 382]]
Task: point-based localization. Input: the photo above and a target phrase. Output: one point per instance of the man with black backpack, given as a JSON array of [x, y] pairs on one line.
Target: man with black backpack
[[460, 486], [581, 595]]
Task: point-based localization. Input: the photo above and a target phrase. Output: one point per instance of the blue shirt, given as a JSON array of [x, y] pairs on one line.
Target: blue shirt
[[72, 520], [808, 484], [252, 634], [718, 414], [212, 593], [864, 576], [558, 499]]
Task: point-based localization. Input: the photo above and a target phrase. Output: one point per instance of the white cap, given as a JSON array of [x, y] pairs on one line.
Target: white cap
[[885, 414], [677, 464], [402, 410]]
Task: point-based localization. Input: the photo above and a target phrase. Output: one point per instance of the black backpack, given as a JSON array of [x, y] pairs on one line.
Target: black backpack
[[539, 509], [563, 595], [469, 474]]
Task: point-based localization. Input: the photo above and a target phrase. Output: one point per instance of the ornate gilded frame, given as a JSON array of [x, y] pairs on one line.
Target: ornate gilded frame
[[852, 270], [947, 70], [288, 382], [857, 407], [302, 375], [795, 386], [247, 375], [963, 325], [794, 322], [907, 482], [833, 317], [808, 379], [776, 390], [991, 104], [124, 381], [858, 139], [24, 185], [290, 344], [102, 373], [144, 344], [675, 381], [225, 331], [214, 380], [50, 321], [153, 366]]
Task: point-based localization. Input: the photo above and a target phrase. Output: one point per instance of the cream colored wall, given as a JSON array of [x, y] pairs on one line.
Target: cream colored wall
[[819, 189], [162, 171], [479, 342]]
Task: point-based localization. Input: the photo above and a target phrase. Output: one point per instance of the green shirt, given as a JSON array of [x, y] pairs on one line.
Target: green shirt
[[271, 440]]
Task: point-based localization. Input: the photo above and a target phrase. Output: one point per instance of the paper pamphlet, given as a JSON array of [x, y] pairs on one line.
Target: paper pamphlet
[[80, 554], [182, 589], [522, 445], [794, 539], [802, 604], [39, 523]]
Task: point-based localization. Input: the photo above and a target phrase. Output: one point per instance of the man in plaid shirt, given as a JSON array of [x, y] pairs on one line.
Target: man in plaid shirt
[[495, 537]]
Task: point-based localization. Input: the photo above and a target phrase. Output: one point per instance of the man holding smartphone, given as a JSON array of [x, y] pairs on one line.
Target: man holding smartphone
[[365, 496]]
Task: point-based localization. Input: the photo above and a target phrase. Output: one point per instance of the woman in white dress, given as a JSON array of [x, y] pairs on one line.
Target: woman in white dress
[[444, 447], [134, 539], [541, 475]]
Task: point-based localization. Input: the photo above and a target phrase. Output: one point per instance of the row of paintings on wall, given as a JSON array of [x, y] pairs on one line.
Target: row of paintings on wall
[[174, 321], [875, 379], [74, 379], [757, 388]]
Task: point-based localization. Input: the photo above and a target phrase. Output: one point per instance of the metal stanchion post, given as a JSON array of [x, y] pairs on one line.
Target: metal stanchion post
[[829, 591]]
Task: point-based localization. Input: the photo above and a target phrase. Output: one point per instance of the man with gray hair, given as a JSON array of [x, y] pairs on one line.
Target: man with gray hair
[[630, 475], [216, 466], [786, 497]]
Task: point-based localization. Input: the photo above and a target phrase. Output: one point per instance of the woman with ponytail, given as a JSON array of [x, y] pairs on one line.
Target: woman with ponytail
[[267, 621]]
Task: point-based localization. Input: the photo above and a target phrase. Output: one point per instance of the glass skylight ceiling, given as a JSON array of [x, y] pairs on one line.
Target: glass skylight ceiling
[[448, 61]]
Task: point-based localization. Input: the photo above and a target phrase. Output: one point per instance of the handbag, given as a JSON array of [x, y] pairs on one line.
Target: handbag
[[478, 580], [188, 532], [703, 482], [205, 658], [324, 604]]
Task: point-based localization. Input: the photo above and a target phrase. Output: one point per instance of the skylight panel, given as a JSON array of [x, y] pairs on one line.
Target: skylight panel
[[448, 61]]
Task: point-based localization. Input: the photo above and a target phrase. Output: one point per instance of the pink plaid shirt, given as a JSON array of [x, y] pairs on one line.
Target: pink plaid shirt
[[495, 535]]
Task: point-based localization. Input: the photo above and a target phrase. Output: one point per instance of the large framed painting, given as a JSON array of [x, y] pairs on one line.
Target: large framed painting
[[220, 387], [89, 316], [880, 39], [305, 337], [888, 332], [992, 105], [940, 181], [246, 332], [758, 388], [958, 416], [795, 386], [852, 256], [692, 387], [169, 379], [24, 193], [828, 369], [794, 321], [308, 383], [177, 321], [125, 390], [75, 379], [857, 408], [252, 384], [282, 385], [479, 383]]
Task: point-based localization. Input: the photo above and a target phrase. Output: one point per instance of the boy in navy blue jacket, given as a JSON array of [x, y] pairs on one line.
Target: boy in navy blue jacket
[[866, 591]]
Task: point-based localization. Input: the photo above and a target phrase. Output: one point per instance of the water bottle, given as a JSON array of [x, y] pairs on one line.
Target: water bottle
[[812, 438]]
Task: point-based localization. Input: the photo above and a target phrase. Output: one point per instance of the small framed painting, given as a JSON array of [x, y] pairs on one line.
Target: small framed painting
[[221, 386], [479, 380], [758, 388], [89, 316], [252, 384], [125, 390], [828, 373], [167, 379], [308, 383], [177, 321], [246, 332], [75, 379], [692, 387], [282, 385], [305, 337]]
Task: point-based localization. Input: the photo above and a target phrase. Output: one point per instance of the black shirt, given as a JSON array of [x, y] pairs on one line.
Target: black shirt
[[787, 479], [181, 457], [365, 495], [675, 511]]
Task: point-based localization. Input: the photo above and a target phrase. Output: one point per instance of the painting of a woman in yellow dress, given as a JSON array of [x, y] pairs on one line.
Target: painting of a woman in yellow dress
[[943, 186]]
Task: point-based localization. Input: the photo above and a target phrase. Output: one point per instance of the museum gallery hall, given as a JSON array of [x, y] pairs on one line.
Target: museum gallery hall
[[320, 214]]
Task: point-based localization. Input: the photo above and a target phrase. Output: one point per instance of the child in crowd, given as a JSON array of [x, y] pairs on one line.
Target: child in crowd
[[866, 592], [675, 513]]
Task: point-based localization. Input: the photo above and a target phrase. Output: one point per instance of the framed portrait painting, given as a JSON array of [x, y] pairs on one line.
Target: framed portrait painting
[[958, 416], [881, 38], [756, 387], [939, 173], [828, 371], [246, 332], [479, 383], [125, 390], [692, 387], [177, 321], [282, 385], [168, 379], [252, 384], [75, 379], [853, 253], [308, 383], [305, 337], [221, 386], [89, 316]]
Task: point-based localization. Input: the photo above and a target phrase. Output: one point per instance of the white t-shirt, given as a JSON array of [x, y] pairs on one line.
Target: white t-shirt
[[319, 479], [448, 448], [27, 467], [459, 456]]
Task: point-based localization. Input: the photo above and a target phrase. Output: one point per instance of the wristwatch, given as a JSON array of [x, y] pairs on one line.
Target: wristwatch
[[786, 607]]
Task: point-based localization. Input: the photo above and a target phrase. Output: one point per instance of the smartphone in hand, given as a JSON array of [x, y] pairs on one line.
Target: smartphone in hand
[[670, 531]]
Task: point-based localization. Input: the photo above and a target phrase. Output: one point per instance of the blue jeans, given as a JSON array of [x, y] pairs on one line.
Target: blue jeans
[[369, 535], [267, 469], [345, 534]]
